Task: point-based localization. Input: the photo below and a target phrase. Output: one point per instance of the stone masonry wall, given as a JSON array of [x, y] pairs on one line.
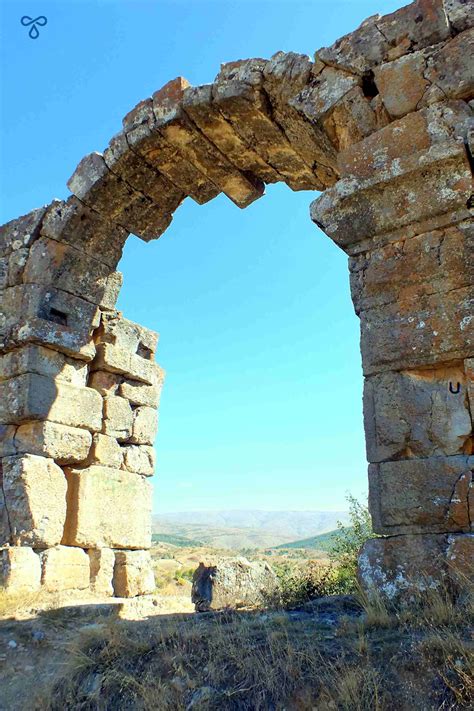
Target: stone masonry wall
[[382, 123]]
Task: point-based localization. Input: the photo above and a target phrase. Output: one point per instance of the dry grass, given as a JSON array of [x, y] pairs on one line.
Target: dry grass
[[261, 661], [11, 604]]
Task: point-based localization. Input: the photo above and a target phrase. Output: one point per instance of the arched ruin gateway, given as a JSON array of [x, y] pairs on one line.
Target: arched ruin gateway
[[380, 123]]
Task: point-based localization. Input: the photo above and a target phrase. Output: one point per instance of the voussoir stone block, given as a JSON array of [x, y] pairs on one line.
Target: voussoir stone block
[[133, 574], [64, 568], [121, 332], [421, 495], [102, 561], [34, 490], [20, 570], [64, 444], [118, 360], [36, 397], [107, 508], [417, 413]]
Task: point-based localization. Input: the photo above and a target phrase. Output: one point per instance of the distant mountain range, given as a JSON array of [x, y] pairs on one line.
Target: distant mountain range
[[247, 529]]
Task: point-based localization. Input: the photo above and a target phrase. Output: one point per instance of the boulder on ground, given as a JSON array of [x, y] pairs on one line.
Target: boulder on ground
[[230, 583]]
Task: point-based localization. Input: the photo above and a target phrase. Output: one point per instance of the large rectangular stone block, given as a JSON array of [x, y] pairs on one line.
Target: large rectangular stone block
[[108, 508], [417, 413], [43, 361], [139, 459], [133, 574], [34, 313], [72, 222], [36, 397], [141, 394], [425, 264], [118, 418], [421, 495], [408, 190], [20, 570], [21, 232], [35, 500], [438, 328], [106, 451], [119, 360], [145, 425], [64, 568], [64, 266], [66, 445], [125, 334]]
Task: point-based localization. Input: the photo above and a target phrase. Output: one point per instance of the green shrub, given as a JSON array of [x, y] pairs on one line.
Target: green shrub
[[347, 543]]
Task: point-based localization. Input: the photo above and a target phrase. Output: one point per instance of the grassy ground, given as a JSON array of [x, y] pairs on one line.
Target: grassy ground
[[325, 656], [335, 653]]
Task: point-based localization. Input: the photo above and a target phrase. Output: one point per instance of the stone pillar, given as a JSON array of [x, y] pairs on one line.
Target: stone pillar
[[402, 213], [79, 391]]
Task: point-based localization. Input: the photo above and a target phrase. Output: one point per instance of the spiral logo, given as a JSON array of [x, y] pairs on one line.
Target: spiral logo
[[26, 21]]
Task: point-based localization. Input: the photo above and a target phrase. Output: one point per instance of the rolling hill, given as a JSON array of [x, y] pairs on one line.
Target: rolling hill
[[247, 529]]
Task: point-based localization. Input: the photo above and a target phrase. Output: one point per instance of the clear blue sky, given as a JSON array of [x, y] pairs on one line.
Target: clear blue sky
[[262, 402]]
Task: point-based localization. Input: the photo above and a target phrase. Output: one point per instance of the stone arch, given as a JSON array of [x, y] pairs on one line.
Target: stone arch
[[380, 122]]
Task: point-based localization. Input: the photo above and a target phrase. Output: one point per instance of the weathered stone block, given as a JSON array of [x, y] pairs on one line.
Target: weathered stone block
[[106, 451], [198, 104], [141, 394], [72, 222], [7, 440], [107, 508], [145, 139], [410, 189], [125, 334], [64, 444], [176, 127], [20, 232], [102, 563], [450, 69], [36, 397], [20, 570], [232, 583], [46, 315], [145, 425], [105, 383], [35, 500], [64, 568], [421, 495], [43, 361], [133, 574], [119, 360], [459, 13], [406, 269], [403, 567], [402, 84], [351, 120], [118, 418], [139, 459], [238, 93], [417, 413], [469, 370], [379, 39], [327, 89], [52, 262], [422, 331]]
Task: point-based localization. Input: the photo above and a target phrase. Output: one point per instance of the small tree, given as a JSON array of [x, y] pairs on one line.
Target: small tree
[[348, 542]]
